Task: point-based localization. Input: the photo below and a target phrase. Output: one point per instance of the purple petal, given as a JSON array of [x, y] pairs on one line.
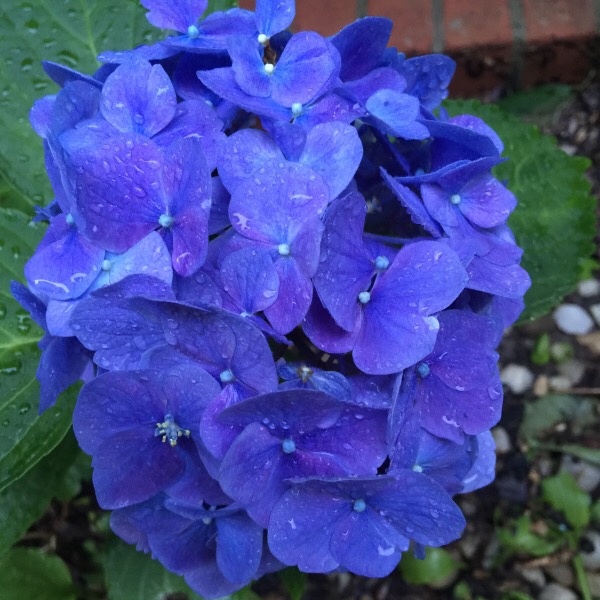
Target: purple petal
[[413, 204], [303, 69], [174, 15], [66, 268], [118, 185], [301, 525], [345, 269], [334, 151], [482, 472], [243, 153], [248, 66], [486, 202], [195, 119], [398, 113], [250, 279], [273, 16], [361, 46], [138, 97], [428, 77]]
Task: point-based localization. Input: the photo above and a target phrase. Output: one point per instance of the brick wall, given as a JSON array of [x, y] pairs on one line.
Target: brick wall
[[496, 43]]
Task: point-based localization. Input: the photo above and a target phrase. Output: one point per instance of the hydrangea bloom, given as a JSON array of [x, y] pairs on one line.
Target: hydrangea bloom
[[283, 274]]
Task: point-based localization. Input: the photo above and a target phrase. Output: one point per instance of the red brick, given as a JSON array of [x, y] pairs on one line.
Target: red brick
[[248, 4], [324, 16], [547, 20], [413, 27], [473, 23]]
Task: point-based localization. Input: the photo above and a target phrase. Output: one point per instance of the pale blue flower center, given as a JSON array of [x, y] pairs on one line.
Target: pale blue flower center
[[382, 263], [288, 446], [423, 369], [359, 505], [455, 199], [69, 219], [364, 297], [297, 109], [269, 68], [106, 265], [263, 39], [193, 31], [166, 220], [226, 376], [283, 249]]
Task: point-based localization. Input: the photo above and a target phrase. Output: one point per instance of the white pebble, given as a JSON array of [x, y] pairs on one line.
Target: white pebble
[[573, 370], [502, 440], [589, 288], [517, 378], [586, 474], [595, 310], [559, 383], [573, 319], [557, 592]]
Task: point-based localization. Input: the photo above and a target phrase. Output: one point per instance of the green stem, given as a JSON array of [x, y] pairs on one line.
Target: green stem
[[584, 586]]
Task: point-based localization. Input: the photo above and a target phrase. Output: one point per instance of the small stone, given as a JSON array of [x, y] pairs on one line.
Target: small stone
[[588, 288], [590, 550], [517, 378], [559, 383], [541, 387], [573, 370], [591, 341], [594, 583], [557, 592], [502, 440], [533, 576], [469, 545], [573, 319], [595, 310], [562, 574]]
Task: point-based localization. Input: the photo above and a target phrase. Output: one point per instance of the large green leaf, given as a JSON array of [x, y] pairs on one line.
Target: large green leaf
[[57, 475], [25, 438], [29, 573], [131, 575], [555, 221], [69, 32]]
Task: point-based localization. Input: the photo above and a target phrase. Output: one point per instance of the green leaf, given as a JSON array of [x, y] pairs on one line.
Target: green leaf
[[29, 573], [544, 414], [216, 5], [437, 566], [564, 495], [71, 33], [58, 475], [294, 581], [595, 512], [25, 437], [541, 351], [131, 575], [555, 220], [245, 594], [543, 101], [520, 539]]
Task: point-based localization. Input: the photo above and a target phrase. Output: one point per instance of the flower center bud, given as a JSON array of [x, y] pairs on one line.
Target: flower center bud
[[288, 446], [283, 249], [106, 265], [423, 370], [417, 469], [269, 68], [263, 40], [305, 373], [455, 199], [70, 220], [297, 109], [169, 430], [193, 31], [364, 297], [166, 221], [226, 376], [382, 263], [359, 505]]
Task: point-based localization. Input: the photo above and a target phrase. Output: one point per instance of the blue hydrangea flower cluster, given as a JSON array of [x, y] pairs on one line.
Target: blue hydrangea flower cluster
[[283, 278]]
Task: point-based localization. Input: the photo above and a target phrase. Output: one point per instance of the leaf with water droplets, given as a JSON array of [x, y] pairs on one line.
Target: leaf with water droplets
[[25, 438], [70, 33]]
